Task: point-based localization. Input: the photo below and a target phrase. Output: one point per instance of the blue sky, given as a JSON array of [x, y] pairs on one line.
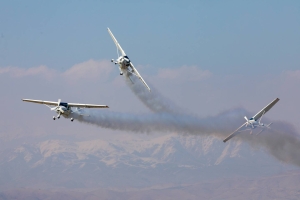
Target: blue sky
[[223, 37]]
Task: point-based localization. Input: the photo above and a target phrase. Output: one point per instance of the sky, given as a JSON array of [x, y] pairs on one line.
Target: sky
[[205, 56], [229, 37]]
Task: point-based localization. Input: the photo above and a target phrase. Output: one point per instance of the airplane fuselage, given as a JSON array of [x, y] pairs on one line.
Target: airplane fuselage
[[123, 62], [62, 110], [253, 123]]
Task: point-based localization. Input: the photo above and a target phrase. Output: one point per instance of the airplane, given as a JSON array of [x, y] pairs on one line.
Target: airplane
[[253, 123], [64, 109], [124, 62]]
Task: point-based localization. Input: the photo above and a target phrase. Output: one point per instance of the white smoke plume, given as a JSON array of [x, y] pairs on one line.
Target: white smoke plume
[[153, 100], [282, 140]]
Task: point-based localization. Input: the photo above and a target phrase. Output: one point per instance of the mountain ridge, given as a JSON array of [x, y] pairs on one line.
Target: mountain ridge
[[169, 159]]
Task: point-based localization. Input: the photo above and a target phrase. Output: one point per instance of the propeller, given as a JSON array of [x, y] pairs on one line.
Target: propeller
[[58, 103], [247, 121], [55, 109]]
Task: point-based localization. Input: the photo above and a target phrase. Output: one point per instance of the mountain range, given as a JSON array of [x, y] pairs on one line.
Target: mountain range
[[133, 163]]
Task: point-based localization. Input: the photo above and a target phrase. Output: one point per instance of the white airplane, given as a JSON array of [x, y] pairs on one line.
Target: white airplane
[[253, 123], [124, 62], [64, 109]]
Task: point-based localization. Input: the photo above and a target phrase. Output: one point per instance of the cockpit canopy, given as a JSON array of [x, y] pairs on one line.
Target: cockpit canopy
[[63, 104]]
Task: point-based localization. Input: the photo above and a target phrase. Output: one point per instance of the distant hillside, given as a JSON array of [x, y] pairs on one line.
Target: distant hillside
[[132, 163], [283, 186]]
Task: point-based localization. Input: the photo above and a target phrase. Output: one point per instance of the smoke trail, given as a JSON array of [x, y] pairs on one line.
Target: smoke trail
[[153, 100], [282, 141], [163, 122]]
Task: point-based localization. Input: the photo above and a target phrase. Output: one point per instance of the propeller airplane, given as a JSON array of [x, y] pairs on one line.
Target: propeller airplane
[[65, 109], [252, 123], [124, 62]]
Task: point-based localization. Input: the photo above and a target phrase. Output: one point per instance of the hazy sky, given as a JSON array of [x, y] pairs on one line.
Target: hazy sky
[[225, 37], [206, 56]]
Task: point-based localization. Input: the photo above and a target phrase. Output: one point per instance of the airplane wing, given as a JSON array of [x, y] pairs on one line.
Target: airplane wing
[[79, 105], [139, 76], [234, 133], [53, 103], [265, 109], [116, 42]]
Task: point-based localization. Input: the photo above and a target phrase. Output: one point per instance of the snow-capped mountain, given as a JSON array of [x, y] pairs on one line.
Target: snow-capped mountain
[[169, 159]]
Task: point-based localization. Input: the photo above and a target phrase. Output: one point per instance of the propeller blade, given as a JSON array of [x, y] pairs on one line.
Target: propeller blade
[[54, 108], [59, 100], [246, 119]]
